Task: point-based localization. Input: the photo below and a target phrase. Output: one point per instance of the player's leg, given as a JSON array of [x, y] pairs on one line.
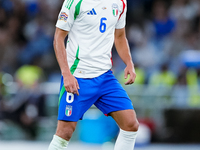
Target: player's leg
[[71, 109], [63, 134], [68, 115], [65, 129], [126, 119], [128, 124], [114, 101]]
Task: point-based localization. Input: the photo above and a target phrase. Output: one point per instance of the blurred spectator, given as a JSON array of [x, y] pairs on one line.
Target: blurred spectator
[[159, 32], [190, 97], [144, 52], [27, 105], [163, 23], [164, 77], [27, 30], [193, 77], [181, 79], [183, 9], [2, 90]]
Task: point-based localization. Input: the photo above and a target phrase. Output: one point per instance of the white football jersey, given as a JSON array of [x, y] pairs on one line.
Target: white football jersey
[[91, 25]]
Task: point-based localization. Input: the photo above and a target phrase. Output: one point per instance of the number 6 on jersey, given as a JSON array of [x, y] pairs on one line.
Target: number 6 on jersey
[[102, 27]]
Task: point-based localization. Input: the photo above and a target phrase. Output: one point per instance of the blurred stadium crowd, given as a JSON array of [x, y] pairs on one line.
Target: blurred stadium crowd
[[163, 36], [164, 39]]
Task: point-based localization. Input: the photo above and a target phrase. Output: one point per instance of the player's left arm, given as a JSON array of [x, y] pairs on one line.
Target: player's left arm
[[123, 50]]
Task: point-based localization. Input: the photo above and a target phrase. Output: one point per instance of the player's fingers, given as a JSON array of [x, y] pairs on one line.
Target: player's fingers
[[74, 89], [130, 80], [134, 76], [77, 85], [76, 92], [125, 74], [71, 89], [67, 88]]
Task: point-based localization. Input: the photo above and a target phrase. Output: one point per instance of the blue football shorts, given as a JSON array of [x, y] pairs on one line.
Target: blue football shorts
[[104, 91]]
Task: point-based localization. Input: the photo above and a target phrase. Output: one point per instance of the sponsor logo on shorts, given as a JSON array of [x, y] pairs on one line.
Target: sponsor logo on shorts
[[63, 16], [68, 110], [115, 9]]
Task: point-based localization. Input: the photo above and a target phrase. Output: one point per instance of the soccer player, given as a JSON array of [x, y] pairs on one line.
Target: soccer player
[[92, 27]]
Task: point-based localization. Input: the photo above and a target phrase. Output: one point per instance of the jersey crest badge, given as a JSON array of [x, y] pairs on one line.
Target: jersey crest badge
[[115, 9], [68, 110], [63, 16]]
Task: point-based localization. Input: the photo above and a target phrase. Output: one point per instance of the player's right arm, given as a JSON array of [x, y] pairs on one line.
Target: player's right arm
[[70, 82]]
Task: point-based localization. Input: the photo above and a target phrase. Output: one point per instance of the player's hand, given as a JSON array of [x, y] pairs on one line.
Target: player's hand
[[71, 84], [130, 70]]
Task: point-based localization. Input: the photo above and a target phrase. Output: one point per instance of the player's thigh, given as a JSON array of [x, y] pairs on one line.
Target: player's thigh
[[65, 129], [126, 119], [71, 106], [113, 97]]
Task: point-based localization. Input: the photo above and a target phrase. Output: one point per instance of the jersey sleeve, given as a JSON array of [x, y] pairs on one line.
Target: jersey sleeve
[[66, 15], [122, 18]]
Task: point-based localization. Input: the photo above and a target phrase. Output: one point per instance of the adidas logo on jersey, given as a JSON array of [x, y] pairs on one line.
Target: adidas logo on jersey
[[92, 12]]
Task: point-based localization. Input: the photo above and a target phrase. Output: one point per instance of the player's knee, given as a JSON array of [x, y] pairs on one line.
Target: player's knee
[[136, 126], [132, 125], [65, 133]]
